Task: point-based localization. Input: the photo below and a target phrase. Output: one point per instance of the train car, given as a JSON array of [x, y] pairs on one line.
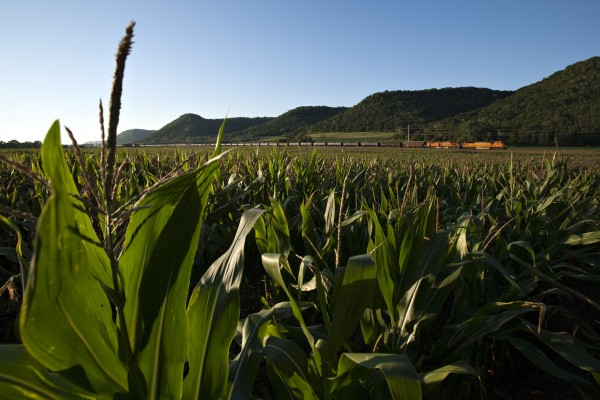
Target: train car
[[369, 144], [442, 145], [498, 144], [413, 144]]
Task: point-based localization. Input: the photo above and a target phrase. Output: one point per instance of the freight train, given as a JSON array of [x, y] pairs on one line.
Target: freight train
[[413, 144], [432, 144]]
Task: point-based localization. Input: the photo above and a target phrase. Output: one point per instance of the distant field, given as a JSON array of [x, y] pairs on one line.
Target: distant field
[[577, 156]]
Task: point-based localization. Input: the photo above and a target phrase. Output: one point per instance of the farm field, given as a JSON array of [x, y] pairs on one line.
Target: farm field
[[380, 272]]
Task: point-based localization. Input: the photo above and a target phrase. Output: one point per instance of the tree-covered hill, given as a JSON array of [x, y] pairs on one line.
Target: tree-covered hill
[[134, 135], [192, 128], [392, 110], [291, 123], [563, 109]]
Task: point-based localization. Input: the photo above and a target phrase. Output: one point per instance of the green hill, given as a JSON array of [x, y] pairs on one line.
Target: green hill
[[291, 123], [192, 128], [563, 108], [133, 136], [392, 110]]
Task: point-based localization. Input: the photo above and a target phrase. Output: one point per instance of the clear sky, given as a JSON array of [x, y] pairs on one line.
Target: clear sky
[[264, 57]]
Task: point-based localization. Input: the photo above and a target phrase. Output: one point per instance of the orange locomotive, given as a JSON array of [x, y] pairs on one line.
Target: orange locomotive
[[447, 144]]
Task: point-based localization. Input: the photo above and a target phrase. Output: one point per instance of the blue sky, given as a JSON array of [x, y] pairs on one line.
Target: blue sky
[[265, 57]]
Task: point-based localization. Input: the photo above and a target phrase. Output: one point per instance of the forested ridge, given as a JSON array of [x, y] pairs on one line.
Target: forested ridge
[[192, 128], [134, 135], [562, 109], [293, 122], [391, 110]]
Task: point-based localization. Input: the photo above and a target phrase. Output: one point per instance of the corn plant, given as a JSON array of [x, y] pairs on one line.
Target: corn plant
[[103, 319]]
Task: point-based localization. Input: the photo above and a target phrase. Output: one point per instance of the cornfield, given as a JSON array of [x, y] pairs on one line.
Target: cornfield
[[285, 274]]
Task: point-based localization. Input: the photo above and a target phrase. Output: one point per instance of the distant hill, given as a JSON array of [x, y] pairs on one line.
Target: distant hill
[[192, 128], [126, 137], [563, 108], [134, 135], [391, 110], [291, 123]]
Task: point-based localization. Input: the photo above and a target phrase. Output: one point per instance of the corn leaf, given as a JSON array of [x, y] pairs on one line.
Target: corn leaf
[[539, 359], [567, 347], [213, 314], [66, 319], [309, 231], [21, 376], [271, 231], [273, 264], [155, 266], [488, 319], [330, 213], [243, 369], [581, 239], [351, 297], [398, 371], [383, 253], [290, 374], [431, 380], [22, 252]]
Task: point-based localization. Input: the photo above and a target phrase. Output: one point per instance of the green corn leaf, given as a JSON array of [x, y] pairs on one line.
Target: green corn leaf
[[553, 281], [462, 226], [433, 379], [549, 200], [243, 369], [23, 254], [217, 150], [424, 300], [354, 217], [155, 266], [488, 319], [581, 239], [428, 256], [309, 232], [567, 347], [499, 267], [383, 254], [351, 298], [23, 377], [398, 371], [61, 179], [330, 213], [272, 264], [260, 235], [321, 290], [278, 233], [426, 264], [66, 319], [543, 362], [290, 374], [213, 314]]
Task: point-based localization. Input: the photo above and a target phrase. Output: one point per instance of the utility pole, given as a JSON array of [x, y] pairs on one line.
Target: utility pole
[[408, 134]]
